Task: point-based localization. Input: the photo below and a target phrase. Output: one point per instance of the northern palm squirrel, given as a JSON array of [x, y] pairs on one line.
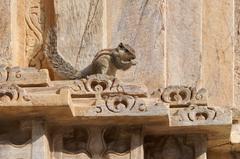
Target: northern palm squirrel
[[106, 61]]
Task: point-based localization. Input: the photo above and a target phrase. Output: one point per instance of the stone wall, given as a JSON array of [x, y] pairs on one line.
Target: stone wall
[[181, 47]]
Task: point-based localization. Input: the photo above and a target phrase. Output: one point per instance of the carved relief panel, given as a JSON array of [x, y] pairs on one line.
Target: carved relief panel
[[96, 142], [35, 27]]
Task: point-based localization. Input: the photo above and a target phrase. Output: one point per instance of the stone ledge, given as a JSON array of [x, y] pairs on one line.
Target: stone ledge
[[100, 99]]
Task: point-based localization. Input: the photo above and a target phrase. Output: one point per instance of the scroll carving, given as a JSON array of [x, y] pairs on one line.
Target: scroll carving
[[124, 103], [11, 92], [198, 115], [176, 94], [35, 26], [95, 84], [182, 95], [103, 85]]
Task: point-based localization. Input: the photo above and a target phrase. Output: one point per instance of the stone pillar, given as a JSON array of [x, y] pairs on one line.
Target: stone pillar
[[137, 151], [12, 22], [40, 145], [5, 32]]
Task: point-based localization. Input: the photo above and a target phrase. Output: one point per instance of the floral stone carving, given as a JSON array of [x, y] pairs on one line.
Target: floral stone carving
[[11, 92], [200, 115], [182, 95]]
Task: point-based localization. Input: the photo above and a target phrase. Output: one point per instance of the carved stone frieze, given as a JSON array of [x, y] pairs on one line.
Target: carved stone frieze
[[121, 103], [12, 92], [182, 95], [101, 84], [104, 96], [124, 105], [94, 84], [14, 95], [200, 115]]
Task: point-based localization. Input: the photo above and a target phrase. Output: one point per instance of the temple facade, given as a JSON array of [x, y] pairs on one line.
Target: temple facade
[[119, 79]]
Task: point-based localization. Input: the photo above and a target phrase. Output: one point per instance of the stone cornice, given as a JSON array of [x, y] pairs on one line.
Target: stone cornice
[[103, 100]]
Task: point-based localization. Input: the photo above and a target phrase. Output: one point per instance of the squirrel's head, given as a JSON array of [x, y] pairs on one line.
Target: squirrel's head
[[125, 56]]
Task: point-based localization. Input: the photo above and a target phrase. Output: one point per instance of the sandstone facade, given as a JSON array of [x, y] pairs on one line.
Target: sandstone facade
[[181, 100]]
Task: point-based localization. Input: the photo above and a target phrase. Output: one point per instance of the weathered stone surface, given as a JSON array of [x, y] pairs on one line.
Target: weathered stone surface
[[237, 54], [27, 76], [141, 24], [157, 107], [81, 36], [217, 55], [5, 32], [183, 42], [235, 134], [24, 76]]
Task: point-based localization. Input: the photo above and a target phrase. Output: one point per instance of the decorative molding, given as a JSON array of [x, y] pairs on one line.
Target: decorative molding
[[183, 95], [101, 85], [11, 92], [124, 103], [105, 96], [34, 18], [200, 115], [95, 84]]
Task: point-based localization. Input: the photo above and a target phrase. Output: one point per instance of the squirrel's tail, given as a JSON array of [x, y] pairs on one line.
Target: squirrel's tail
[[55, 60]]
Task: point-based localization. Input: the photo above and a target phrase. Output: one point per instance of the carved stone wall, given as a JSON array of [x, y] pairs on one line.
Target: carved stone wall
[[181, 100]]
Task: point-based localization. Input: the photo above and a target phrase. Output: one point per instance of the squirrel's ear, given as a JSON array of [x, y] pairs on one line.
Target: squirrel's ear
[[121, 44]]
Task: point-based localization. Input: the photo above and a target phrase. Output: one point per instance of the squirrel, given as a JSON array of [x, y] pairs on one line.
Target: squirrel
[[106, 61]]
